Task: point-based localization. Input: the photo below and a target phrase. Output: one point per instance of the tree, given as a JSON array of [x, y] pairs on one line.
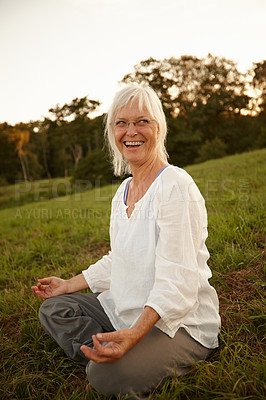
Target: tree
[[182, 142], [259, 82], [39, 135], [9, 162], [20, 136], [157, 74], [72, 125], [212, 149], [188, 82], [94, 169]]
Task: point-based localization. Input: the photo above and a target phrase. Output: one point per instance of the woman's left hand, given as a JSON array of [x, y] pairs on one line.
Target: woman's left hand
[[117, 344]]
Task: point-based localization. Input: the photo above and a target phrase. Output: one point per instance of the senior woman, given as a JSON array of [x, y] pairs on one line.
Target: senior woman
[[152, 313]]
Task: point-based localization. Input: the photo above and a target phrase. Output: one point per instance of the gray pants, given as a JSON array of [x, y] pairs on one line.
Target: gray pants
[[72, 319]]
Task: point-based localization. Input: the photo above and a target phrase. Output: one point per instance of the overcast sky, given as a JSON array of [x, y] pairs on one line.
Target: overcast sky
[[55, 50]]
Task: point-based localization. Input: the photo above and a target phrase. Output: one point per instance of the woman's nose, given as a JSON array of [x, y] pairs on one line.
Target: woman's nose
[[131, 130]]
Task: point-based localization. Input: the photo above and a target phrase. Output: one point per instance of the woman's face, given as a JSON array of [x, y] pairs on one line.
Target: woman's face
[[137, 143]]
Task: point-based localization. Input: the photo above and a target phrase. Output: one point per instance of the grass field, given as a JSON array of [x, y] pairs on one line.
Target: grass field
[[51, 234]]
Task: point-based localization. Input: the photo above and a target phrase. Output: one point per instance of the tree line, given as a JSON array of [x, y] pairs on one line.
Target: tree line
[[212, 110]]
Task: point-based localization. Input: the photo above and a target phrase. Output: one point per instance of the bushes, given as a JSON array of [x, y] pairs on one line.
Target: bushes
[[95, 168]]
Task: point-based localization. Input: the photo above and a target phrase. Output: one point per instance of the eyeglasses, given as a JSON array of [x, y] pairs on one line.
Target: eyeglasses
[[140, 125]]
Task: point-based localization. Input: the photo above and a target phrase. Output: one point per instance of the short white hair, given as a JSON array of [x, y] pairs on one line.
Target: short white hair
[[145, 97]]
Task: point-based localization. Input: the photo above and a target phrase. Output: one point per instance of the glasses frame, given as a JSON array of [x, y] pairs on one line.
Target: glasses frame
[[126, 127]]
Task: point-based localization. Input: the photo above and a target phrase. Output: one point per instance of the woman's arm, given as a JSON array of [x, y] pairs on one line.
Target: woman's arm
[[96, 277], [179, 254], [119, 342], [53, 286], [145, 322]]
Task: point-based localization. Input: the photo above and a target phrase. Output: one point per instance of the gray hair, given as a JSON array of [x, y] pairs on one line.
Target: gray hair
[[145, 97]]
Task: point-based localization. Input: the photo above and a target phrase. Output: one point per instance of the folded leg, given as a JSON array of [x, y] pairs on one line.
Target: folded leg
[[72, 319]]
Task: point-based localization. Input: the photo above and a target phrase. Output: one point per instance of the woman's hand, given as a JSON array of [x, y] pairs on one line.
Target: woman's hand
[[52, 286], [49, 287], [118, 343]]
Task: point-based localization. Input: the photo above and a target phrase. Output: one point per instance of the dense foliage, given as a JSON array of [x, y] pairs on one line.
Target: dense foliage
[[212, 110]]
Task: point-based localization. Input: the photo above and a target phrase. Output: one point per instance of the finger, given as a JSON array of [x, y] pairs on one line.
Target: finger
[[102, 350], [34, 288], [88, 351], [45, 280], [111, 352], [39, 293], [108, 336], [41, 287], [93, 355], [98, 346]]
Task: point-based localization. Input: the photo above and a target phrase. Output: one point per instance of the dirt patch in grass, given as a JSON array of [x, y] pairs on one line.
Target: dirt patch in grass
[[241, 305], [244, 284]]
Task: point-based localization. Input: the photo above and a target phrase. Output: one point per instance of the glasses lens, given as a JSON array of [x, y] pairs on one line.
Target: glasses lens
[[141, 124]]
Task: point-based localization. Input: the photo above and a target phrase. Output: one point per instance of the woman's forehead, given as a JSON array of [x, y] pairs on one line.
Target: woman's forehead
[[132, 109]]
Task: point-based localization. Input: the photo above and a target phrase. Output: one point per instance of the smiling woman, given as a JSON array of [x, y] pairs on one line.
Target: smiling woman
[[133, 114], [152, 313]]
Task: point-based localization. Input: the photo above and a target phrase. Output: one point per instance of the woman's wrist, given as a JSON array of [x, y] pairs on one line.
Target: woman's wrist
[[76, 284], [136, 334], [146, 321]]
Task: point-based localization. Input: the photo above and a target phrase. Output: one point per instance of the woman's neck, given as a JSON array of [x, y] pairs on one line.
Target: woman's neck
[[144, 175]]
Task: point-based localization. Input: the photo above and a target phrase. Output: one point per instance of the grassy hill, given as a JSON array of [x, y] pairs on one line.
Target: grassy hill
[[64, 235]]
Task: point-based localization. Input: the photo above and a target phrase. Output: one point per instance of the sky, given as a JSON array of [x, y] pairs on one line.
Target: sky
[[52, 51]]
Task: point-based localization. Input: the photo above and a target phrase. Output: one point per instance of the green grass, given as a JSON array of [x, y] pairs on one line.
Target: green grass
[[65, 234], [27, 192]]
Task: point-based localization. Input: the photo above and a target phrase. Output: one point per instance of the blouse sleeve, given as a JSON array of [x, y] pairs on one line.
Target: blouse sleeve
[[98, 275], [180, 219]]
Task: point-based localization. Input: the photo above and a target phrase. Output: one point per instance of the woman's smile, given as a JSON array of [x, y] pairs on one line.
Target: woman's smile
[[133, 144]]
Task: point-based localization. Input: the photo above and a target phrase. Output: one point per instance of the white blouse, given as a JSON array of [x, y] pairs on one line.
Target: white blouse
[[158, 258]]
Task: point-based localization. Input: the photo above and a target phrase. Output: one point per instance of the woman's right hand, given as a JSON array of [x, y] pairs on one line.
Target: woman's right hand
[[49, 287]]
